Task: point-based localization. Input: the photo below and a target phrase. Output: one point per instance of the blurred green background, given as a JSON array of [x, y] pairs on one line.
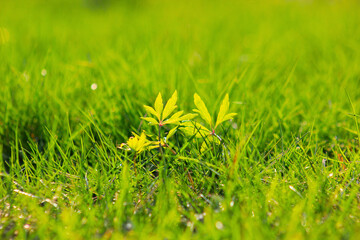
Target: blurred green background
[[291, 68], [280, 60]]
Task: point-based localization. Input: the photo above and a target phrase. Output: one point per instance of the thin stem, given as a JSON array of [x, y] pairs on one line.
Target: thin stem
[[162, 157], [160, 147], [134, 162]]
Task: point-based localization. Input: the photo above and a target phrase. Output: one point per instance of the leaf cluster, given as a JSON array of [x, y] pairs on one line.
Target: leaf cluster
[[161, 115]]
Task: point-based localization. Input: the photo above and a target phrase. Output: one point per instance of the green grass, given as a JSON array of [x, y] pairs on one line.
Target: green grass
[[292, 71]]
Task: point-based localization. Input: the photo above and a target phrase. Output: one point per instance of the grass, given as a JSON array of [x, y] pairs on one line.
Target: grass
[[291, 69]]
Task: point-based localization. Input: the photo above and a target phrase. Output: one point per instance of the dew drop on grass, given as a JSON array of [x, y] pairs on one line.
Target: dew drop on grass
[[27, 226], [190, 225], [200, 217], [128, 226], [219, 225], [94, 86]]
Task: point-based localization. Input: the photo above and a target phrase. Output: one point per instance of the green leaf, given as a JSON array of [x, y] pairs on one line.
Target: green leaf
[[188, 116], [170, 106], [171, 133], [159, 105], [229, 116], [224, 108], [174, 118], [151, 111], [202, 110], [138, 143], [142, 140], [153, 146], [151, 120], [193, 128]]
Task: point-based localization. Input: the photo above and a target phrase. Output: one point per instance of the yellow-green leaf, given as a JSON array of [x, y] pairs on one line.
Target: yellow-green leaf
[[151, 111], [142, 140], [171, 133], [193, 128], [223, 110], [155, 145], [174, 118], [229, 116], [150, 120], [159, 105], [188, 116], [202, 110], [170, 106], [137, 143]]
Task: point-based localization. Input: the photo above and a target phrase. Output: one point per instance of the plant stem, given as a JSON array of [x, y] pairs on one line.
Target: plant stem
[[134, 162], [160, 147], [164, 170]]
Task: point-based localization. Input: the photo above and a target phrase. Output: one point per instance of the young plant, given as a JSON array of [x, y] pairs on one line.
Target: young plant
[[201, 131], [162, 116], [138, 144], [223, 114]]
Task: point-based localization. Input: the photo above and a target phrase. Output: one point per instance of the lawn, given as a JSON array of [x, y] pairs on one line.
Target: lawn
[[81, 157]]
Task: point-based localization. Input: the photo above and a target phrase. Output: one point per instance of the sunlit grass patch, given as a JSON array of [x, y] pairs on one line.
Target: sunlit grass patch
[[254, 134]]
